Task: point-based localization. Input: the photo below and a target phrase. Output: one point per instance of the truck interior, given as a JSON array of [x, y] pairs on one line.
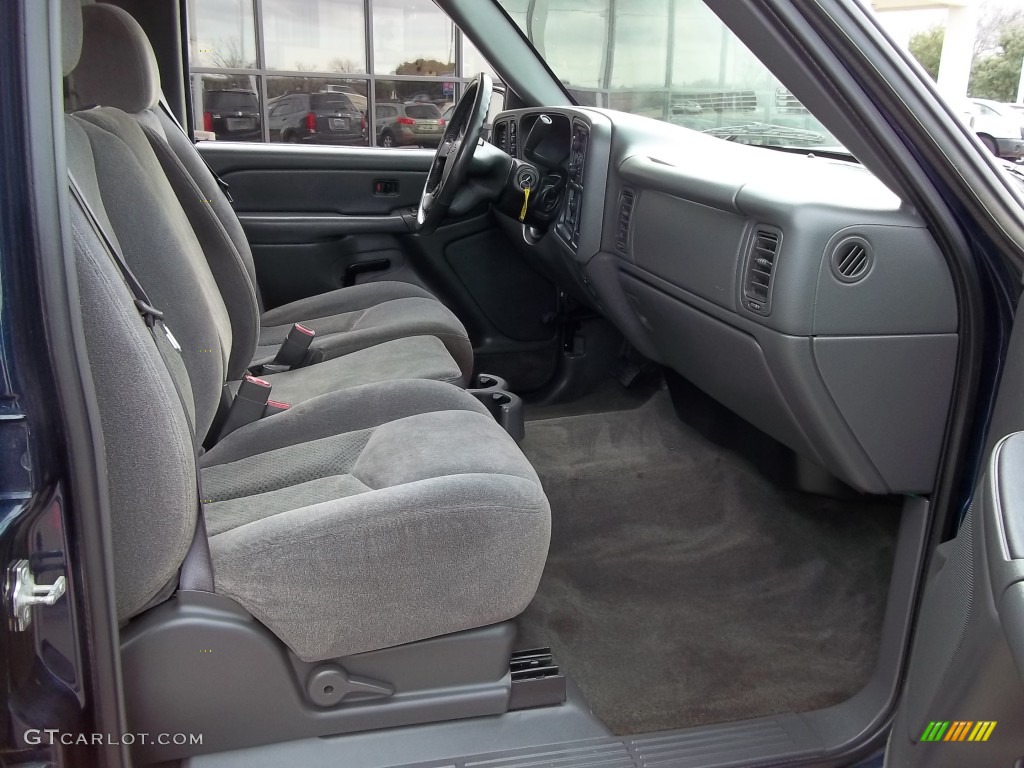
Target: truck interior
[[581, 439]]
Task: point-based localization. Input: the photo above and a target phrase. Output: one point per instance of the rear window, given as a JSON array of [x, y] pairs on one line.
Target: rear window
[[423, 111], [334, 102], [232, 101]]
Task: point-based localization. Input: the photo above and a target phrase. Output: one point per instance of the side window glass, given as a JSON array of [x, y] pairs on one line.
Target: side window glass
[[308, 71]]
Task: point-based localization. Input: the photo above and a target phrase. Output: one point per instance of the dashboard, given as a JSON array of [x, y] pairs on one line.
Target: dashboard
[[799, 291]]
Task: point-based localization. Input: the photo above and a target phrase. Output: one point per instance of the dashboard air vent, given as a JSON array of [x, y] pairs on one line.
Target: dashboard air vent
[[500, 135], [626, 203], [761, 261], [851, 260]]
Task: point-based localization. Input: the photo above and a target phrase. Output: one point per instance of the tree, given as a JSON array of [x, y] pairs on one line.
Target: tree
[[229, 55], [344, 65], [926, 47], [995, 75], [992, 21], [998, 52], [426, 67]]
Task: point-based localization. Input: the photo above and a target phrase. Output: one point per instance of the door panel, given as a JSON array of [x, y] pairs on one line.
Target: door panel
[[967, 664], [308, 190], [967, 658], [323, 218], [291, 270]]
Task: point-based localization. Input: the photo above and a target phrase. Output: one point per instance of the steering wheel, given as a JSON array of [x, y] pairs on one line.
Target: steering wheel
[[450, 166]]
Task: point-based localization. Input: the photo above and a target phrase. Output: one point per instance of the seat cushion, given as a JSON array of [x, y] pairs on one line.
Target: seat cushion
[[416, 357], [375, 516], [363, 315]]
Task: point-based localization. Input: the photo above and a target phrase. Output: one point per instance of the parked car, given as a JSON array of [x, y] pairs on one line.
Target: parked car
[[358, 100], [1000, 128], [686, 107], [232, 115], [408, 124], [314, 118]]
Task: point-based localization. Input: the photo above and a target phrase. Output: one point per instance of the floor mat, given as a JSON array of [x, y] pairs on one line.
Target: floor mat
[[684, 588]]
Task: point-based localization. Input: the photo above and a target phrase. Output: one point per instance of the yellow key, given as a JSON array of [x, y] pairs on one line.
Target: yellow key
[[526, 202]]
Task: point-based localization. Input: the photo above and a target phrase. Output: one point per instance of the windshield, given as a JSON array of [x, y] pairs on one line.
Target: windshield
[[671, 60]]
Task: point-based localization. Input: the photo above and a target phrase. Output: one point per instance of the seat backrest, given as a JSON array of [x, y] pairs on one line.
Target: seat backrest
[[157, 237], [118, 70], [161, 248], [147, 445]]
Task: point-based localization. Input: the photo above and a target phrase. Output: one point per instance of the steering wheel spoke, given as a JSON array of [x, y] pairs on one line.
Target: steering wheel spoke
[[450, 166]]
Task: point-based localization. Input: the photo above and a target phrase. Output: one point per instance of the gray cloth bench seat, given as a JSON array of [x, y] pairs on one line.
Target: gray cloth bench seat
[[358, 519]]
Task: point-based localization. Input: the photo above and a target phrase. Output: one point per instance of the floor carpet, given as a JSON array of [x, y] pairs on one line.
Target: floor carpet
[[610, 395], [684, 588]]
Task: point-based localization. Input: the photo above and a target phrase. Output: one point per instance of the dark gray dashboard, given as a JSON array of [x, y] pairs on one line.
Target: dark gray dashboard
[[797, 290]]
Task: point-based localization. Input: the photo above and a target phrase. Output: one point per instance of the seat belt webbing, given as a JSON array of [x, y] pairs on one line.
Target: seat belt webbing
[[197, 568]]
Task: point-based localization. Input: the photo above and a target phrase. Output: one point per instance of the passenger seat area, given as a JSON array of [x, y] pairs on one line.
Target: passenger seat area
[[383, 330], [367, 544]]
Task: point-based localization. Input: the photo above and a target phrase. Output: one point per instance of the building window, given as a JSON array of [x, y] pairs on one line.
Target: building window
[[222, 34], [344, 72], [412, 37]]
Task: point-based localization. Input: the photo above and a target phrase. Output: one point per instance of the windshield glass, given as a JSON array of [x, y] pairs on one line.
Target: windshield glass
[[671, 60]]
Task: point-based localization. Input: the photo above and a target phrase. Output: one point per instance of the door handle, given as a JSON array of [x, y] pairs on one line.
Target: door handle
[[385, 187]]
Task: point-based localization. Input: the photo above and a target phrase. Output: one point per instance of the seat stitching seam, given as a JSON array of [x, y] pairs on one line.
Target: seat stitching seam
[[363, 310], [286, 487], [525, 509], [438, 335]]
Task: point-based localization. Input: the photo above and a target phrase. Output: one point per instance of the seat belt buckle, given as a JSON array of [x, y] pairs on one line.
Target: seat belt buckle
[[295, 347], [248, 406], [273, 407]]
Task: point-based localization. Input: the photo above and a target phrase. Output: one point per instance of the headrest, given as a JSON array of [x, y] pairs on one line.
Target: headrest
[[117, 67], [71, 34]]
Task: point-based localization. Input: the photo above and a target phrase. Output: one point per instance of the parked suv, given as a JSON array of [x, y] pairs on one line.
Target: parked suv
[[232, 114], [314, 118], [410, 124]]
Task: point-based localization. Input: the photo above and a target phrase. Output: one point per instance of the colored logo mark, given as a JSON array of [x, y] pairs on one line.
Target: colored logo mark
[[958, 730]]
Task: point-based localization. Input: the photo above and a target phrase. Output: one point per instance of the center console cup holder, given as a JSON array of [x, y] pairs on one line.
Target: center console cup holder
[[506, 407], [489, 382]]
